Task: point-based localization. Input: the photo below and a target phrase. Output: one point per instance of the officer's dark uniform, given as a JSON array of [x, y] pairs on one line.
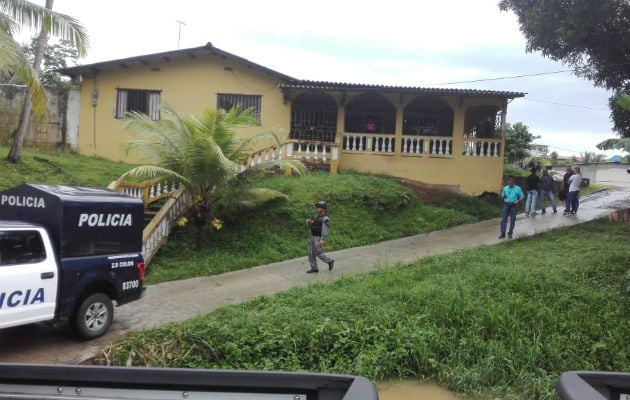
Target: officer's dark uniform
[[319, 231]]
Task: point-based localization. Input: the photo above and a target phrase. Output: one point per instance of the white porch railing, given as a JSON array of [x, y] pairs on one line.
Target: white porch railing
[[322, 152], [482, 147], [177, 203], [148, 191], [410, 145], [427, 145], [156, 233], [359, 142]]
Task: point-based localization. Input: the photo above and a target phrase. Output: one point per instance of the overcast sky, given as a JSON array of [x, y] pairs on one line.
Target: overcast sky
[[396, 42]]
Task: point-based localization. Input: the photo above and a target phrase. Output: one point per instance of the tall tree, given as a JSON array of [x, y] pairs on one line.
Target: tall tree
[[205, 155], [591, 36], [15, 14], [56, 56], [518, 141]]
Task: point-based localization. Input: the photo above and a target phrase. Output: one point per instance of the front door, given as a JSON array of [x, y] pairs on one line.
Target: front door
[[28, 277]]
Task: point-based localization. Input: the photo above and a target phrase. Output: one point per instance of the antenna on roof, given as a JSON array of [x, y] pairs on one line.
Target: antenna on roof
[[179, 34]]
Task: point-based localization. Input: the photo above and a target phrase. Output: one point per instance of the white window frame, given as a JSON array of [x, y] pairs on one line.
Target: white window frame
[[153, 103]]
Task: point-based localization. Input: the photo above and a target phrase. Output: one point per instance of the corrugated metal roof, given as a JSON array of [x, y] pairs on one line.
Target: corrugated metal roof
[[321, 85], [168, 56]]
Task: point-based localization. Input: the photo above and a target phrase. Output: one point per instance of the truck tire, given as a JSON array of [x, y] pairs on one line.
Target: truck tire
[[94, 316]]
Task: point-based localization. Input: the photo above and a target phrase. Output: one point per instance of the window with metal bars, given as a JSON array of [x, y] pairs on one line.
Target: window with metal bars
[[428, 116], [225, 101], [483, 122], [370, 113], [138, 100]]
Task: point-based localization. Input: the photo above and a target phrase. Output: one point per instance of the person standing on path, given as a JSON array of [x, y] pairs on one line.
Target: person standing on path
[[533, 182], [546, 190], [573, 196], [512, 195], [318, 232], [565, 183]]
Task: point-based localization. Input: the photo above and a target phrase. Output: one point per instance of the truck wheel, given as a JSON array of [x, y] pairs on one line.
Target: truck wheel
[[94, 316]]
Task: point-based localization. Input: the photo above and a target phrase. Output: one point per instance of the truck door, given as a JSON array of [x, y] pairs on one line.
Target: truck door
[[28, 277]]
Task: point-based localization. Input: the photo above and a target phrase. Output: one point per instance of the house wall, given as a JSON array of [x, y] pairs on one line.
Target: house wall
[[613, 174], [473, 176], [189, 85]]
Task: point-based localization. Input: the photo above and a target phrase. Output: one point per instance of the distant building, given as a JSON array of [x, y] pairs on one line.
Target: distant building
[[539, 150]]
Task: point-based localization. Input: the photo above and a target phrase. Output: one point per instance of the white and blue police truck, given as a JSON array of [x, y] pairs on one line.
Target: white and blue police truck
[[68, 254]]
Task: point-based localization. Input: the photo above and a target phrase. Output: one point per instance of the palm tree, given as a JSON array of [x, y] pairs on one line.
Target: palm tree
[[204, 154], [16, 14]]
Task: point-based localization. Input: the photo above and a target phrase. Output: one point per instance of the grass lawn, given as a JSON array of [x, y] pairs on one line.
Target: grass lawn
[[53, 167], [501, 321]]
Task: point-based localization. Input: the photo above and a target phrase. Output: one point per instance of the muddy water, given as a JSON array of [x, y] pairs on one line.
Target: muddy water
[[413, 390]]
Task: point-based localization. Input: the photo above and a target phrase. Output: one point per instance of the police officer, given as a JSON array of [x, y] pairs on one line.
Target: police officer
[[319, 231]]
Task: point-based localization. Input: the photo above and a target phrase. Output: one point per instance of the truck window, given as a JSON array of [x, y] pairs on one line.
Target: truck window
[[88, 248], [21, 247]]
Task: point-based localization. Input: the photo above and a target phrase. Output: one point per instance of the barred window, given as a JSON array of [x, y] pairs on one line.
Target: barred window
[[138, 100], [225, 101]]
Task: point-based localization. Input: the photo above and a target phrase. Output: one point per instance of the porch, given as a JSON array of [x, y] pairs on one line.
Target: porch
[[439, 136]]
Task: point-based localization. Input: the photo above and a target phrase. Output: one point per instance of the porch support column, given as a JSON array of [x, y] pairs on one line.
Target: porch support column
[[398, 130], [341, 123], [459, 116], [503, 119]]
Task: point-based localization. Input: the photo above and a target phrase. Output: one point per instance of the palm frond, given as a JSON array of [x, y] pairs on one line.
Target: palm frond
[[258, 171], [247, 145], [27, 14], [14, 61], [247, 199], [153, 172], [615, 144]]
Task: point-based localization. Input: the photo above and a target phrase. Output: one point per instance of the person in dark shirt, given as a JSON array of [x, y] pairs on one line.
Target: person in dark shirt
[[546, 190], [533, 182], [318, 231]]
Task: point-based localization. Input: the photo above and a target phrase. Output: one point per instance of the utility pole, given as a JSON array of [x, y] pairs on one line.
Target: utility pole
[[179, 34]]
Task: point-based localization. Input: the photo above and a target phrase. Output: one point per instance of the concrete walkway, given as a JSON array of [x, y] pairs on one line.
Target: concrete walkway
[[176, 301]]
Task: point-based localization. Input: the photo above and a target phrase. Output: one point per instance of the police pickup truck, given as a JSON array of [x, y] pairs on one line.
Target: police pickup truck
[[66, 254]]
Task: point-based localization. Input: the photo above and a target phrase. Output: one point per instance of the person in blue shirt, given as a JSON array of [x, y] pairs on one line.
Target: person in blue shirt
[[512, 195]]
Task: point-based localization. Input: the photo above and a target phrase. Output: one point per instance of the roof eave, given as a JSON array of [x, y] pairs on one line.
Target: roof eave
[[168, 56], [340, 86]]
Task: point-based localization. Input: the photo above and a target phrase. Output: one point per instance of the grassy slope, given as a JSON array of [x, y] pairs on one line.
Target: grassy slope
[[58, 168], [501, 320], [364, 209]]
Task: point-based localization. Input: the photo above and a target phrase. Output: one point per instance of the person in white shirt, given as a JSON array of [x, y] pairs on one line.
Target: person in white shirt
[[573, 196]]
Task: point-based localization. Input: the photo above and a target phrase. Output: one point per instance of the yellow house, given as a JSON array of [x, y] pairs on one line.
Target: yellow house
[[451, 137]]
